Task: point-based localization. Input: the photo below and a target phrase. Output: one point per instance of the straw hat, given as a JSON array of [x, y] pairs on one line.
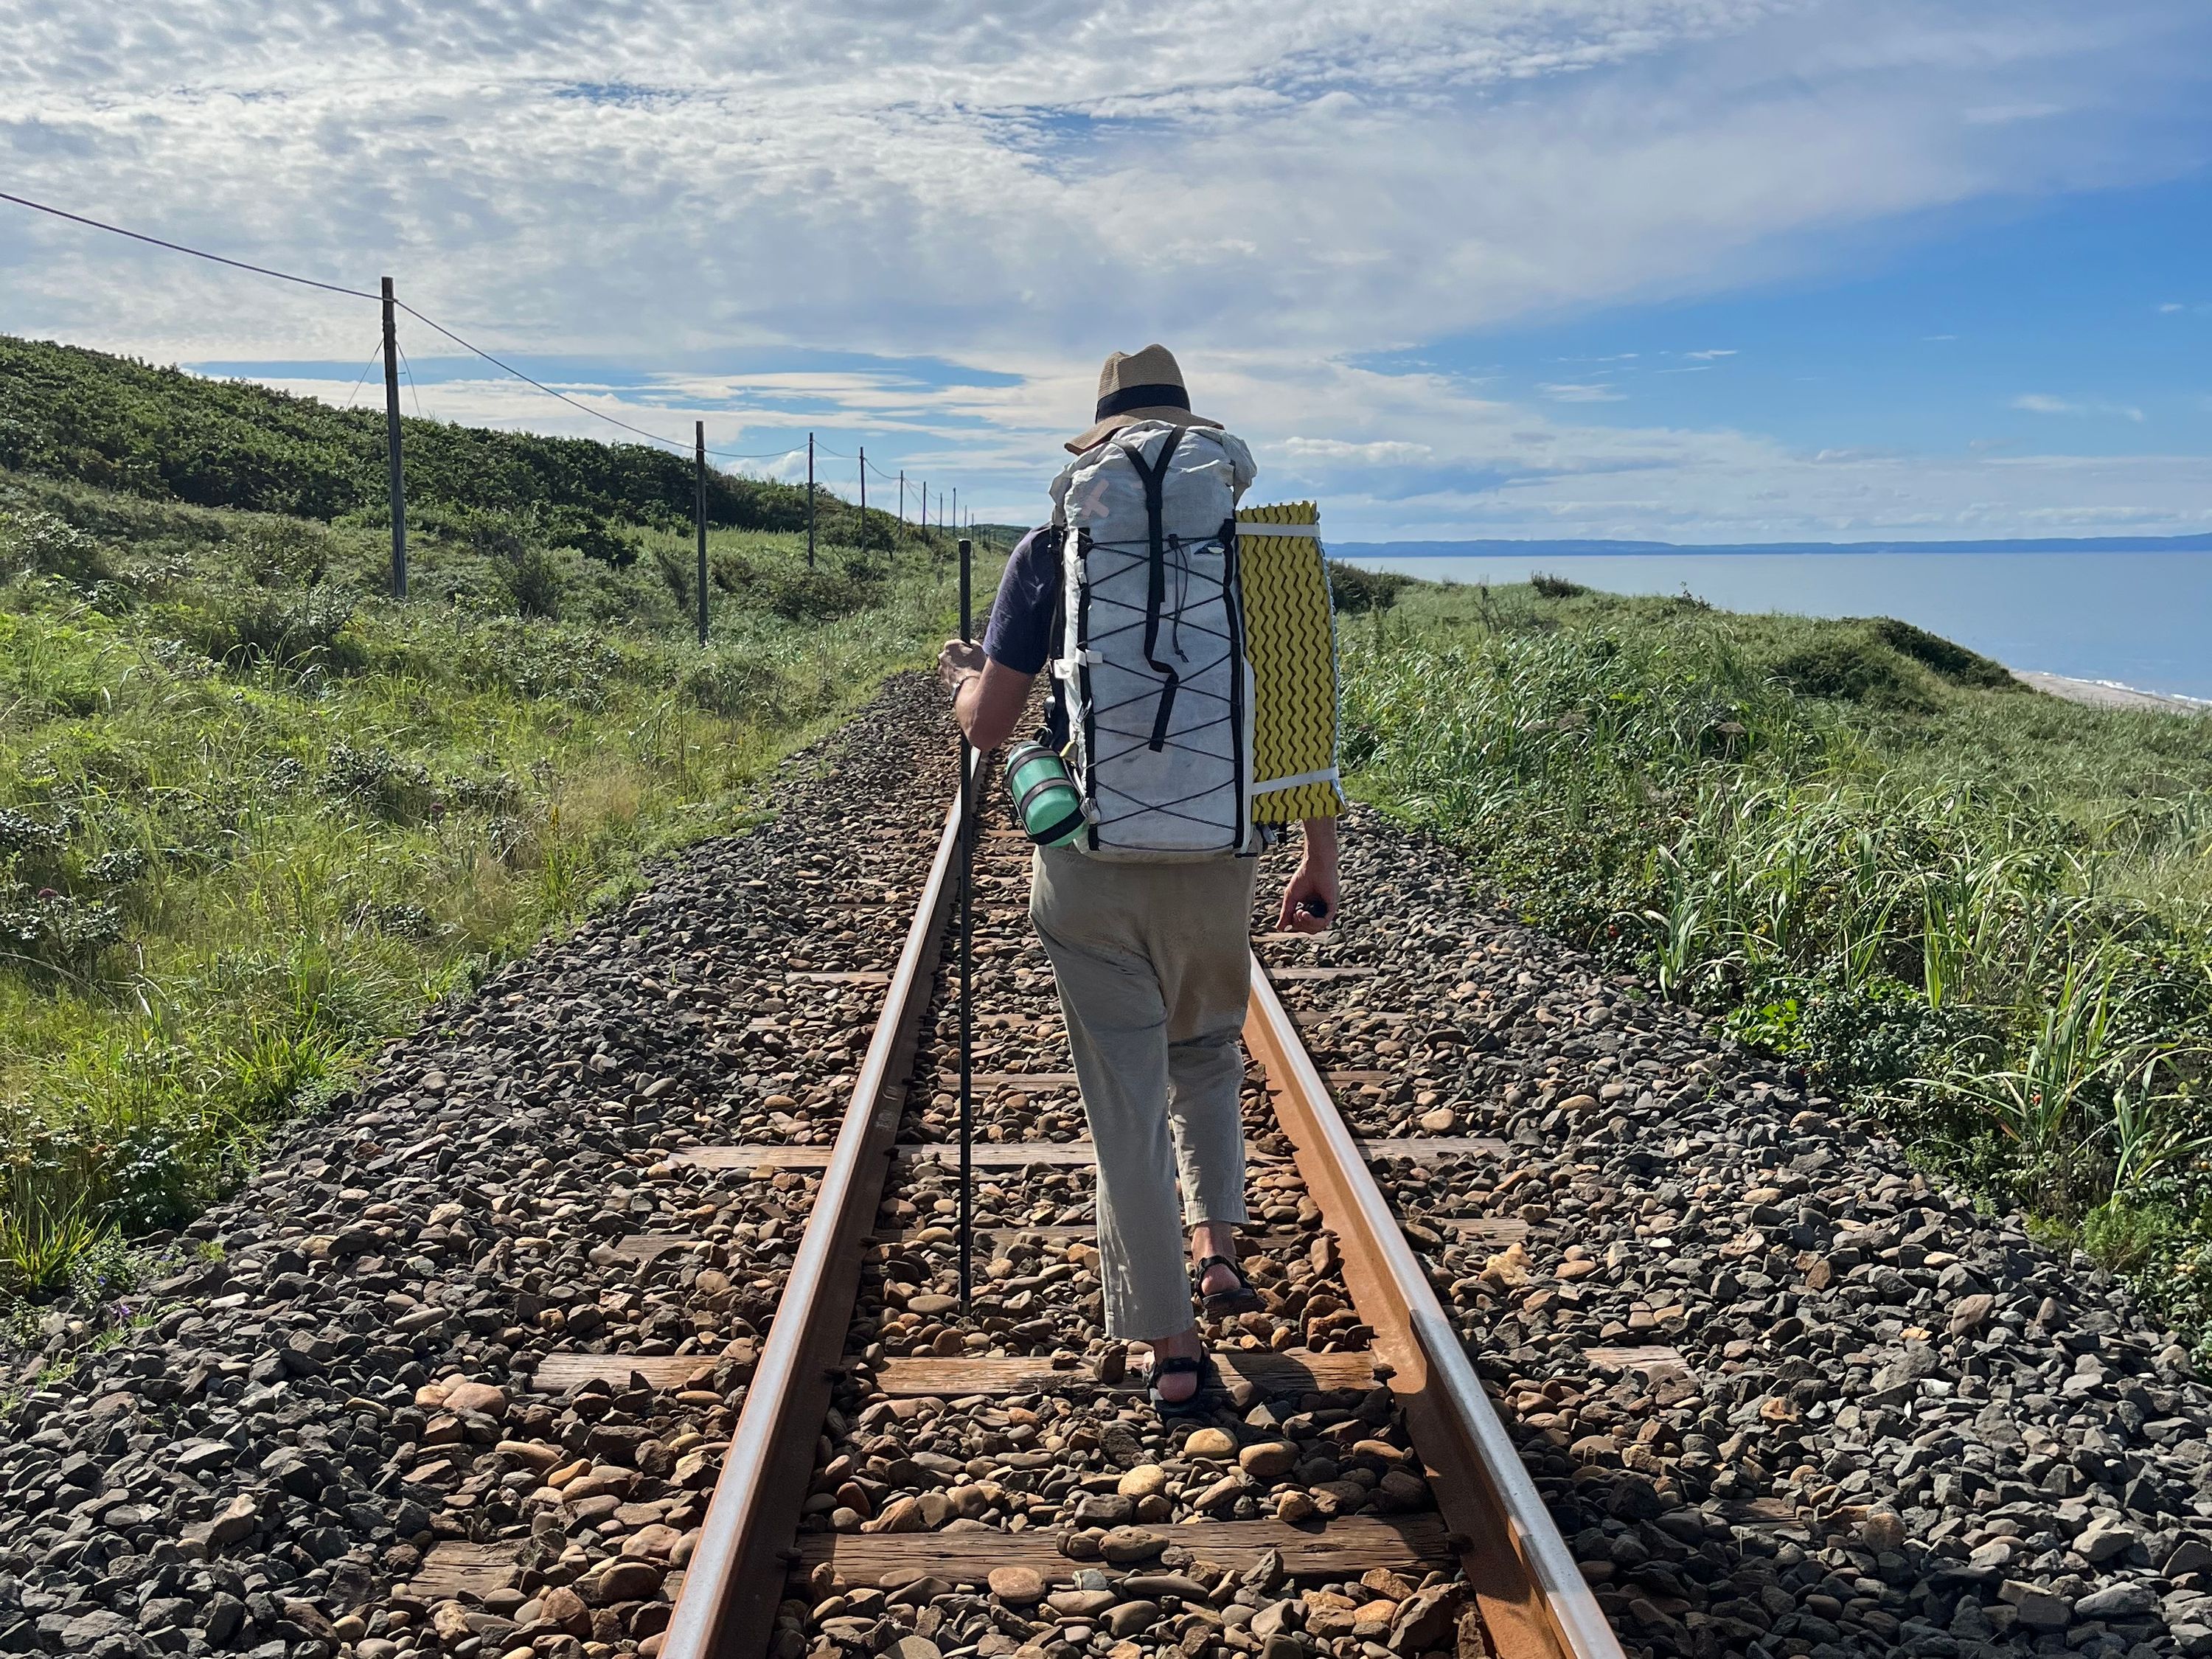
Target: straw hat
[[1138, 385]]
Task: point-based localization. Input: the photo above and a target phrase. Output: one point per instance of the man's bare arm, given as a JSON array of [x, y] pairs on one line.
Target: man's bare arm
[[988, 696], [1315, 881]]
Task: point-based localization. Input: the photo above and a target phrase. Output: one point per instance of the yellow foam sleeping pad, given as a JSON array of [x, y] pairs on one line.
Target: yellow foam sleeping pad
[[1289, 638]]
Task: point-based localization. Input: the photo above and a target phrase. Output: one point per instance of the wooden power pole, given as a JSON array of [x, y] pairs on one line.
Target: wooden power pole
[[699, 437], [395, 474]]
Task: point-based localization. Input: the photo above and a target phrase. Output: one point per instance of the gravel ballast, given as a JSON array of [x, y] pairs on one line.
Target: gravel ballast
[[1782, 1394]]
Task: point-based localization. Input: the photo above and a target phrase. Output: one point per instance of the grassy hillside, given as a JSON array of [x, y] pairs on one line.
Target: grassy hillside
[[254, 816], [1986, 913], [167, 435]]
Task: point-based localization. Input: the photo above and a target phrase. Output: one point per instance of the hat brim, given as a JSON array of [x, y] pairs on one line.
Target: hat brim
[[1113, 423]]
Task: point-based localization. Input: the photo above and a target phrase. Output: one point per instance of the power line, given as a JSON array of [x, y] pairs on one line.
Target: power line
[[432, 323], [500, 363], [412, 384], [376, 352], [179, 247]]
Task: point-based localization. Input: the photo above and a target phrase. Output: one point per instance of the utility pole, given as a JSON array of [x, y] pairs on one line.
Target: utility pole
[[699, 435], [392, 468], [956, 510], [864, 487], [902, 494], [809, 501]]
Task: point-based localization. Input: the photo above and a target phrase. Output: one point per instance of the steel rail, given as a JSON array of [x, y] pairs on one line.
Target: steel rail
[[1532, 1595], [727, 1607]]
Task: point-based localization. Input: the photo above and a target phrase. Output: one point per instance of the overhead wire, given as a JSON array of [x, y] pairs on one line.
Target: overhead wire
[[428, 322], [412, 386], [179, 247], [375, 351], [496, 362]]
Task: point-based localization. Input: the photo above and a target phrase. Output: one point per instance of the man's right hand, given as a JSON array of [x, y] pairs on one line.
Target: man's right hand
[[959, 662]]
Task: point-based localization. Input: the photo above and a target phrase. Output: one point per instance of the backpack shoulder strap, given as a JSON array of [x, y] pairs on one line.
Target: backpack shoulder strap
[[1154, 478], [1050, 552]]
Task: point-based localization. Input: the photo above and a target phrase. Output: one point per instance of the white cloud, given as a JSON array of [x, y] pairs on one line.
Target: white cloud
[[1276, 187], [1706, 356], [1381, 453], [2001, 115], [2037, 403]]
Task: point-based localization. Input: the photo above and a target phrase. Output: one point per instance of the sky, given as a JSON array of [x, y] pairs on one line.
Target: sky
[[1696, 271]]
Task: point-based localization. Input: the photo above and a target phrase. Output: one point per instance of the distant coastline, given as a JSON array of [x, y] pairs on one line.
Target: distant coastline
[[2110, 694], [1533, 549]]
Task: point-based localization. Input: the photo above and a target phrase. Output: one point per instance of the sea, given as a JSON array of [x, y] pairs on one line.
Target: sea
[[2141, 618]]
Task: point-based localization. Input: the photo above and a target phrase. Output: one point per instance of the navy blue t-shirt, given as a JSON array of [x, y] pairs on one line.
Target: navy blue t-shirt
[[1019, 634]]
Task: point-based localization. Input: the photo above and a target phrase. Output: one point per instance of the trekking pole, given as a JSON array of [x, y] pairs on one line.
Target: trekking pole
[[967, 977]]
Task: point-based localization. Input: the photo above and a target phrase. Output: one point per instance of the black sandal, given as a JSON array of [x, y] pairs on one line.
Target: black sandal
[[1224, 1305], [1202, 1398]]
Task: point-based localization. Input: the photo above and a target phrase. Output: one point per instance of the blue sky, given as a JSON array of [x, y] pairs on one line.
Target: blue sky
[[1717, 271], [1971, 330]]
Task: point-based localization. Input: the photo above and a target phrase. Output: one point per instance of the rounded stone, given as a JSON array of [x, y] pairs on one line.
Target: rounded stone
[[1126, 1544], [1213, 1442], [1131, 1617], [1143, 1481], [1018, 1587]]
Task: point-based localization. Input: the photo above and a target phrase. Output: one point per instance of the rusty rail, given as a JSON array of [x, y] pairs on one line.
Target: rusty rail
[[1532, 1595], [727, 1608]]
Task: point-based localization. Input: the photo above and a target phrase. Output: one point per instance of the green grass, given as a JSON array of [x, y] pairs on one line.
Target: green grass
[[1984, 913], [255, 817]]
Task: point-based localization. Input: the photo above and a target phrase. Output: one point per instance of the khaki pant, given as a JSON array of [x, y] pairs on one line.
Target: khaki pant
[[1153, 963]]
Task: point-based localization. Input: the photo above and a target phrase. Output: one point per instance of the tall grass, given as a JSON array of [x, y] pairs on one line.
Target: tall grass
[[1989, 915], [254, 817]]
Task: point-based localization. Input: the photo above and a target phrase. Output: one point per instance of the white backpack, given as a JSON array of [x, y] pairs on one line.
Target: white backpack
[[1152, 673]]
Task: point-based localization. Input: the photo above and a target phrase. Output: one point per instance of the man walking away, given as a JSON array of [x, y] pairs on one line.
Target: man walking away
[[1131, 593]]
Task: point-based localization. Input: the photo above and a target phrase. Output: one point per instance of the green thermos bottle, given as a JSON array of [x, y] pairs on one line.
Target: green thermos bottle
[[1046, 798]]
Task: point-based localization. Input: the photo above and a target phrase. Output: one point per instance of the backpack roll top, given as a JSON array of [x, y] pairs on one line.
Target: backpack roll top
[[1153, 671]]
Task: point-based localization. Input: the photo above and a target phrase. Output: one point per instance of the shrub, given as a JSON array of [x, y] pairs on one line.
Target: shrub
[[534, 580], [56, 930], [1555, 587], [41, 542], [1356, 592], [1953, 662], [392, 788], [285, 553], [737, 687], [595, 538], [1852, 668], [258, 625]]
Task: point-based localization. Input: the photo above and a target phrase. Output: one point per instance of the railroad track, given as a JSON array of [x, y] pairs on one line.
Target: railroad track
[[993, 1484], [460, 1369]]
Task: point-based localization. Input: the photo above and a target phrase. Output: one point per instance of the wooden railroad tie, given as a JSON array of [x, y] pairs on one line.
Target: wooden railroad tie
[[1481, 1230], [1062, 1154], [455, 1568], [1292, 1373], [1344, 1548], [962, 1375]]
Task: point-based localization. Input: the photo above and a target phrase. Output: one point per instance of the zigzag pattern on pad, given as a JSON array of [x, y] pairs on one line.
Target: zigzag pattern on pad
[[1290, 640]]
